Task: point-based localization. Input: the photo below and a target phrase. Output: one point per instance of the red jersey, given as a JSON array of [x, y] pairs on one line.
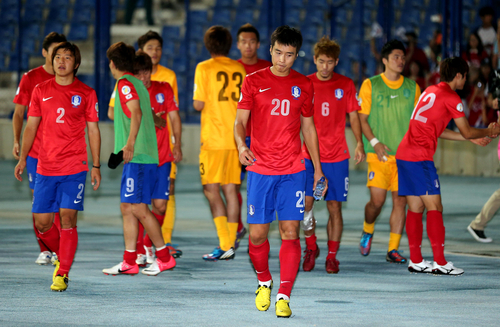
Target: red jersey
[[162, 100], [276, 104], [434, 110], [127, 93], [23, 97], [333, 99], [65, 111], [249, 69]]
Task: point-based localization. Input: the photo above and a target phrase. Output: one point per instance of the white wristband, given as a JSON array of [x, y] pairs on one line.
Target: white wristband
[[374, 141]]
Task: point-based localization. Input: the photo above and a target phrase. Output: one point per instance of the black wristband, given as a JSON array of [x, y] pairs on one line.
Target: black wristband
[[98, 167]]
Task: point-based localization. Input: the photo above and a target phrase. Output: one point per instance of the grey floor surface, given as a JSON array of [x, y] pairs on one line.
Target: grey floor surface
[[367, 291]]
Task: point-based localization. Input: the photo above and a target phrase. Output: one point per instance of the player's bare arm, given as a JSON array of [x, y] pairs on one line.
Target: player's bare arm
[[94, 135], [28, 138], [111, 113], [198, 105], [380, 148], [17, 126], [359, 152], [469, 132], [135, 121], [175, 120], [240, 126], [448, 134], [159, 122], [311, 139]]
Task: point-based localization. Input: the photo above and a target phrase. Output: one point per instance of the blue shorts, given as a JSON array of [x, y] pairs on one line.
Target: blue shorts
[[244, 168], [161, 188], [138, 181], [271, 194], [59, 192], [337, 174], [31, 164], [418, 178]]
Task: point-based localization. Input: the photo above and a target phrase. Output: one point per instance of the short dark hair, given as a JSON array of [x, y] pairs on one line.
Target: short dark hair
[[450, 67], [122, 55], [151, 35], [218, 40], [287, 35], [71, 47], [248, 28], [51, 38], [391, 46], [142, 62], [486, 11], [329, 48]]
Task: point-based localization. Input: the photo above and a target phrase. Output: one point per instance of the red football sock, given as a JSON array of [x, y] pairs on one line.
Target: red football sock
[[259, 254], [333, 248], [37, 234], [67, 244], [130, 257], [57, 221], [147, 240], [414, 230], [140, 241], [163, 254], [240, 223], [51, 239], [289, 265], [436, 233], [311, 242]]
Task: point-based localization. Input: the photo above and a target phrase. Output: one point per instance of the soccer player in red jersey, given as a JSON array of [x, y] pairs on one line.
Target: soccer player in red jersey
[[248, 43], [64, 107], [281, 103], [418, 179], [22, 100], [334, 97]]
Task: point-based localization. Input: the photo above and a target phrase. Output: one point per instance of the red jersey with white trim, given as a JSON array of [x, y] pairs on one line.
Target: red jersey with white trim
[[162, 99], [127, 93], [23, 96], [249, 69], [276, 105], [333, 99], [434, 110], [65, 111]]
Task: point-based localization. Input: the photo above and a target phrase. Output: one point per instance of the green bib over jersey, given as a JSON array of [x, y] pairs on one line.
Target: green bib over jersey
[[390, 113], [145, 148]]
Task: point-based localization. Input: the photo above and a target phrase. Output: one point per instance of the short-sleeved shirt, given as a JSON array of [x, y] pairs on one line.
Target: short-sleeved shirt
[[23, 97], [436, 107], [127, 93], [162, 100], [249, 69], [333, 99], [276, 105], [217, 82], [65, 111]]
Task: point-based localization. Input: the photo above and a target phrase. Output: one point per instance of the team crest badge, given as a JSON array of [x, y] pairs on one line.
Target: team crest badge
[[160, 98], [371, 175], [126, 90], [339, 94], [251, 210], [296, 92], [460, 107], [76, 100], [406, 93], [97, 107]]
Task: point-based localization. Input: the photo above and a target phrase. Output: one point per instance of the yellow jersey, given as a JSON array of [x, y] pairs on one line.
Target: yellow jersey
[[217, 82]]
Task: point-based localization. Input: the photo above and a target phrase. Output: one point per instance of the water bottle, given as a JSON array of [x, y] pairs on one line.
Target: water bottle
[[320, 187]]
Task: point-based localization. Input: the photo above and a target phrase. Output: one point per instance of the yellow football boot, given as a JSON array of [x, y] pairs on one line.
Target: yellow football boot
[[57, 264], [60, 283], [283, 309], [263, 297]]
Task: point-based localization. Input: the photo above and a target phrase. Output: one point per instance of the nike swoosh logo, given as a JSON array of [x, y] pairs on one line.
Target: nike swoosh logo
[[285, 282], [345, 194], [393, 96], [77, 201], [45, 99], [301, 211], [263, 90], [122, 271], [166, 193], [127, 195]]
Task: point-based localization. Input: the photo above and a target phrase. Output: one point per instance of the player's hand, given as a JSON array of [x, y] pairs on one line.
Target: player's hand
[[318, 173], [18, 171], [494, 130], [359, 153], [381, 151], [15, 151], [247, 158], [95, 178], [159, 122], [484, 141], [128, 153], [177, 152]]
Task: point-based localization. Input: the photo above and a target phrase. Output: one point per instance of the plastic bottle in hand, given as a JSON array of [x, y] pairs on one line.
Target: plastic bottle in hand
[[320, 187]]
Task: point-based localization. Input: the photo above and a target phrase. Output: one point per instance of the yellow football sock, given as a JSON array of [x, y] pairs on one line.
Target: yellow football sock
[[222, 232], [368, 228], [233, 229], [168, 224], [394, 241]]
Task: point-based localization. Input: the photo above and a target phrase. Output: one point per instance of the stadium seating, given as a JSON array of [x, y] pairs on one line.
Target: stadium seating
[[59, 15], [78, 32]]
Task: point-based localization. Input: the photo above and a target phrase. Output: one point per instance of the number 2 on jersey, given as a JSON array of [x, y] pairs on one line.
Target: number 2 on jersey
[[59, 119], [417, 115], [285, 107], [223, 75]]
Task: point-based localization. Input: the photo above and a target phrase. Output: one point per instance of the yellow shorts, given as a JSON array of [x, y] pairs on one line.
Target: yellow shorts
[[220, 167], [173, 171], [383, 175]]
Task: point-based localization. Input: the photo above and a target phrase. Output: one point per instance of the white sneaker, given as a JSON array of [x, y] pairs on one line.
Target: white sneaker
[[44, 258], [122, 269], [149, 254], [141, 260], [422, 267], [447, 269], [54, 258], [158, 266]]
